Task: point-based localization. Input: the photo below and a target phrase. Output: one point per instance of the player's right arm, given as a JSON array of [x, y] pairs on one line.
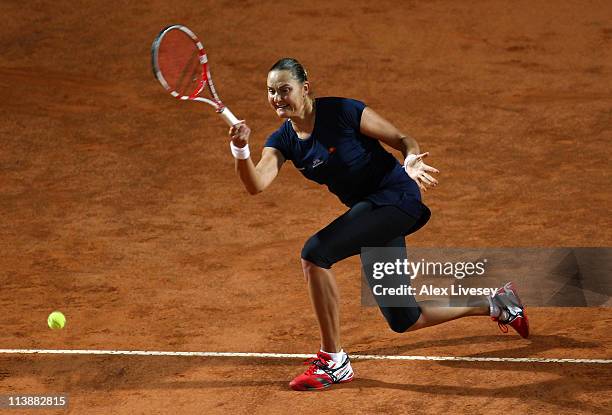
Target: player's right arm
[[255, 177]]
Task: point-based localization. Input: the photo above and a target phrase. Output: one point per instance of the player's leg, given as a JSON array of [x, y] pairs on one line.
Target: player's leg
[[320, 252], [331, 365], [363, 225], [433, 313], [369, 226], [341, 239], [324, 298]]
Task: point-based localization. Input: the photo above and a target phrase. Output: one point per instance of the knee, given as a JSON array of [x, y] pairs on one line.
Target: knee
[[405, 320], [307, 267], [399, 326], [422, 221], [314, 253]]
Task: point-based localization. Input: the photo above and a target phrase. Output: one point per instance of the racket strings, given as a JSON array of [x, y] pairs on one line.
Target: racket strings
[[179, 63]]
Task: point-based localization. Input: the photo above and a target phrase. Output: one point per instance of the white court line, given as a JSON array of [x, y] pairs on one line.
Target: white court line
[[304, 356]]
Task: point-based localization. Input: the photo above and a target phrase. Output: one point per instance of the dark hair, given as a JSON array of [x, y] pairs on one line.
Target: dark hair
[[292, 65]]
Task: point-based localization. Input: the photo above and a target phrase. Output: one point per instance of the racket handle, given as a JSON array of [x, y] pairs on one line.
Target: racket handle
[[228, 117]]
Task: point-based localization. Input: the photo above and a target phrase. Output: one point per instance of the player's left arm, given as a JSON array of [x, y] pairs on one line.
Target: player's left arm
[[375, 126]]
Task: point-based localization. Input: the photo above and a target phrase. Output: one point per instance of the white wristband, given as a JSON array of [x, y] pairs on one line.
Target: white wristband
[[409, 159], [240, 153]]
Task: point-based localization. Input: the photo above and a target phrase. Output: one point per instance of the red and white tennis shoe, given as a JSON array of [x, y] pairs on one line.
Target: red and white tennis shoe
[[323, 372], [512, 310]]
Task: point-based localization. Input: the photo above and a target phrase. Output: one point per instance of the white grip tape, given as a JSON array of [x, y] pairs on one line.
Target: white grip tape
[[229, 118]]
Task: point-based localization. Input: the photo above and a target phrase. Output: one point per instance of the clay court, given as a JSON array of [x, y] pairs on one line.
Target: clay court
[[120, 205]]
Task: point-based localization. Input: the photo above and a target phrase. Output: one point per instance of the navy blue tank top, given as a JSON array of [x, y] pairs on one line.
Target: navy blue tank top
[[352, 165]]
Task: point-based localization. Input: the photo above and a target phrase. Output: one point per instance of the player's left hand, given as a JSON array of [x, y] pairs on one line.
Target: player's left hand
[[416, 168]]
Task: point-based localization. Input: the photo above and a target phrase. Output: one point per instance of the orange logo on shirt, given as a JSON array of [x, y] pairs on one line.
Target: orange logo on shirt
[[332, 150]]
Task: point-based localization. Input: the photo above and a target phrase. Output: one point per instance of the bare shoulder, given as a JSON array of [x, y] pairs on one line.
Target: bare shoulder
[[375, 126], [369, 116]]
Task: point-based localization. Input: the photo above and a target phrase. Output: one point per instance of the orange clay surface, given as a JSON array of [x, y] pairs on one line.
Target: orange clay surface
[[120, 205]]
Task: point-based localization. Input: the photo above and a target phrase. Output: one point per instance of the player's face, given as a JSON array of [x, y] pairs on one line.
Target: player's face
[[286, 94]]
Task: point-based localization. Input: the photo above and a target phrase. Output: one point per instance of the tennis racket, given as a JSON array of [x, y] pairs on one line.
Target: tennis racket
[[180, 64]]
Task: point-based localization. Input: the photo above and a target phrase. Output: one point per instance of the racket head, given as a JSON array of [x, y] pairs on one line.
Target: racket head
[[180, 64]]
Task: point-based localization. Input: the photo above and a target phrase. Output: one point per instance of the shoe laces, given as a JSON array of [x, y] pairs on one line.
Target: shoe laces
[[315, 363]]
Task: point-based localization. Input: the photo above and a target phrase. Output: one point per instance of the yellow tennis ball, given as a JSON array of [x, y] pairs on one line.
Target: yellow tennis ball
[[56, 320]]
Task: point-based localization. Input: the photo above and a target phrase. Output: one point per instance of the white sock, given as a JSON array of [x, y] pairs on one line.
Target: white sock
[[494, 310], [336, 357]]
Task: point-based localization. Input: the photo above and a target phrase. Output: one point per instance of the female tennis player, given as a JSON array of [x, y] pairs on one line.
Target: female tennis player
[[337, 142]]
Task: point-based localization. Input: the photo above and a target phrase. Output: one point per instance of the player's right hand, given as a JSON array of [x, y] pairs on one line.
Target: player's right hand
[[239, 134]]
